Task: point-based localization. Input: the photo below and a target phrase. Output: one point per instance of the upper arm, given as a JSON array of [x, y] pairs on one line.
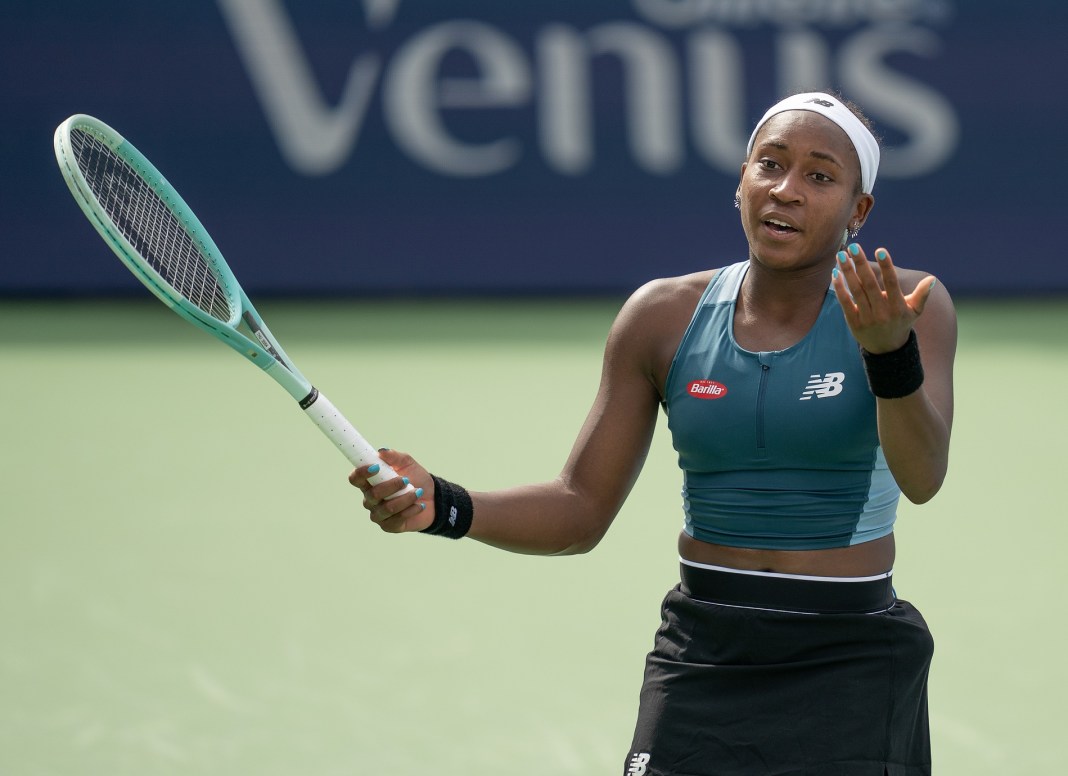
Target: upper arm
[[571, 513], [936, 332], [612, 444]]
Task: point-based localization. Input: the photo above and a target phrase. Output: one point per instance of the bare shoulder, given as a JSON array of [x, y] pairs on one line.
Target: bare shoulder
[[939, 302], [910, 278], [664, 295], [652, 321], [936, 327]]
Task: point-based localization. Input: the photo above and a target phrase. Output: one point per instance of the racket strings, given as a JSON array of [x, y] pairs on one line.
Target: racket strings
[[149, 225]]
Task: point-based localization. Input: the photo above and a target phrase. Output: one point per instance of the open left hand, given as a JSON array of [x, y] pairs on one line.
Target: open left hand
[[879, 313]]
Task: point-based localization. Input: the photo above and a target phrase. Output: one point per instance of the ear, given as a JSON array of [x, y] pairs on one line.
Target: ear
[[862, 209]]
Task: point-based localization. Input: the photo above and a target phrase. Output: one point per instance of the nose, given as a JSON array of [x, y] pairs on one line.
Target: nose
[[786, 190]]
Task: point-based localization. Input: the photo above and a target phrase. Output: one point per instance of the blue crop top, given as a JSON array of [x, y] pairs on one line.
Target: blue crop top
[[779, 449]]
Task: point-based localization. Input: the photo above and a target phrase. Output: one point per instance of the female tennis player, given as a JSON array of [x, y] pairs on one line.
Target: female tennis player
[[806, 388]]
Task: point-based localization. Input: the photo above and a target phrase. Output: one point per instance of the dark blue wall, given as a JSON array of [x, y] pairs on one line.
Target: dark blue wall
[[554, 146]]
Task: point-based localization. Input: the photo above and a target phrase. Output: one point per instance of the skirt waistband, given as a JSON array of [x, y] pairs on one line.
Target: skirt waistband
[[787, 592]]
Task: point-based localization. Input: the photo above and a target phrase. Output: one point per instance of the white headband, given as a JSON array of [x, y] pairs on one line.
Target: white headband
[[824, 104]]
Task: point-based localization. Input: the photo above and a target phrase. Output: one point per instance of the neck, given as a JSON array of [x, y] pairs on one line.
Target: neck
[[777, 309], [785, 295]]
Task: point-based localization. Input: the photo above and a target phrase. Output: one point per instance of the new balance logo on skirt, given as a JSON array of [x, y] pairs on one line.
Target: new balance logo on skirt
[[823, 386], [638, 763]]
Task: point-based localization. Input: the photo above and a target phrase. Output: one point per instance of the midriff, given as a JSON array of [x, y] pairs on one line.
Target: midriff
[[859, 560]]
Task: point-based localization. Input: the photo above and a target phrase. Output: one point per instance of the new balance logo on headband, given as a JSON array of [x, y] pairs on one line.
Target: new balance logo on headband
[[824, 103], [823, 386]]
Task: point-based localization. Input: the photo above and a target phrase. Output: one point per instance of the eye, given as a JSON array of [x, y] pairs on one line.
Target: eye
[[769, 164], [822, 177]]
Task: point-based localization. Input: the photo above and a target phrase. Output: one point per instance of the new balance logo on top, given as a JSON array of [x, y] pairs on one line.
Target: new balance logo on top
[[453, 513], [638, 763], [823, 386]]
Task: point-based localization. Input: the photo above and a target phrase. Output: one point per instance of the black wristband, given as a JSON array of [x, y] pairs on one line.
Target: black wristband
[[453, 510], [897, 373]]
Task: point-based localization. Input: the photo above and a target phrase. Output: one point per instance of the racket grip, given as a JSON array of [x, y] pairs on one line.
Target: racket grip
[[346, 438]]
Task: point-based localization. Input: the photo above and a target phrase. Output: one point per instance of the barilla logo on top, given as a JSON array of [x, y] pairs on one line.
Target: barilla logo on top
[[706, 389]]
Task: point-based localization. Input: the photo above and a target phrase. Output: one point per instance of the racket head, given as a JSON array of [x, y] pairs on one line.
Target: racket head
[[145, 221], [152, 230]]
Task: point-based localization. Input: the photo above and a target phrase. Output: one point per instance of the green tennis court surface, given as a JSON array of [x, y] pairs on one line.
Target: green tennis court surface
[[188, 584]]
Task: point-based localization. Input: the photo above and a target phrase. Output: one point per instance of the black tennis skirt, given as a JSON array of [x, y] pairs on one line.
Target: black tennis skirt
[[765, 675]]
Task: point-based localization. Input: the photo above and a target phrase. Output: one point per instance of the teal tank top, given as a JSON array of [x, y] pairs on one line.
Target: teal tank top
[[779, 449]]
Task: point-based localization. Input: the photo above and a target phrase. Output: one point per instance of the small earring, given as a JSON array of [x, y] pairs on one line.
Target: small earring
[[737, 202], [854, 230]]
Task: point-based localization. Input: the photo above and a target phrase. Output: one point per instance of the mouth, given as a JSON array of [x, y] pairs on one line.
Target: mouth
[[779, 227]]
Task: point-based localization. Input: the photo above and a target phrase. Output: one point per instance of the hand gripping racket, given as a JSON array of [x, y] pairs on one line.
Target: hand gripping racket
[[161, 241]]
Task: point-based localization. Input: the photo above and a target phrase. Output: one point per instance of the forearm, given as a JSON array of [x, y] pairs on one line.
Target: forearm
[[548, 518], [909, 372], [915, 440]]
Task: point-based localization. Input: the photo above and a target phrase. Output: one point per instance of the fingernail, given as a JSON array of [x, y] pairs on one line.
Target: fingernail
[[842, 258], [404, 480], [422, 506], [934, 282], [854, 249], [881, 254], [383, 449], [373, 469], [834, 273], [419, 493]]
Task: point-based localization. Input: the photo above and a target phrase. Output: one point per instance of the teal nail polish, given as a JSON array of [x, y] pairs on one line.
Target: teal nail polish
[[842, 258], [422, 506], [834, 273], [881, 255], [419, 493], [404, 480], [854, 249], [373, 469]]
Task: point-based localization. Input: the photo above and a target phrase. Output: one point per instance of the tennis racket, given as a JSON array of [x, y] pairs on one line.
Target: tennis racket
[[159, 239]]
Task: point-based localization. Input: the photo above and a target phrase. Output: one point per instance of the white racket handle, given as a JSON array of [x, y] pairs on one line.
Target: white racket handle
[[347, 439]]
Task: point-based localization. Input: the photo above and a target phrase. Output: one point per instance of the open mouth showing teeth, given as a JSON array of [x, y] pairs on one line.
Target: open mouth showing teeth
[[779, 226]]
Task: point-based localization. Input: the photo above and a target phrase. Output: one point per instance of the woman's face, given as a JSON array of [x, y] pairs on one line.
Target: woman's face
[[799, 190]]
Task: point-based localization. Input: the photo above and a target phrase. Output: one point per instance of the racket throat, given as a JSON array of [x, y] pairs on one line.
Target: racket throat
[[268, 345], [309, 400]]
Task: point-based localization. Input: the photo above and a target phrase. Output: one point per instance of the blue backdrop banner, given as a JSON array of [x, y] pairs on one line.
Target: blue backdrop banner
[[481, 146]]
